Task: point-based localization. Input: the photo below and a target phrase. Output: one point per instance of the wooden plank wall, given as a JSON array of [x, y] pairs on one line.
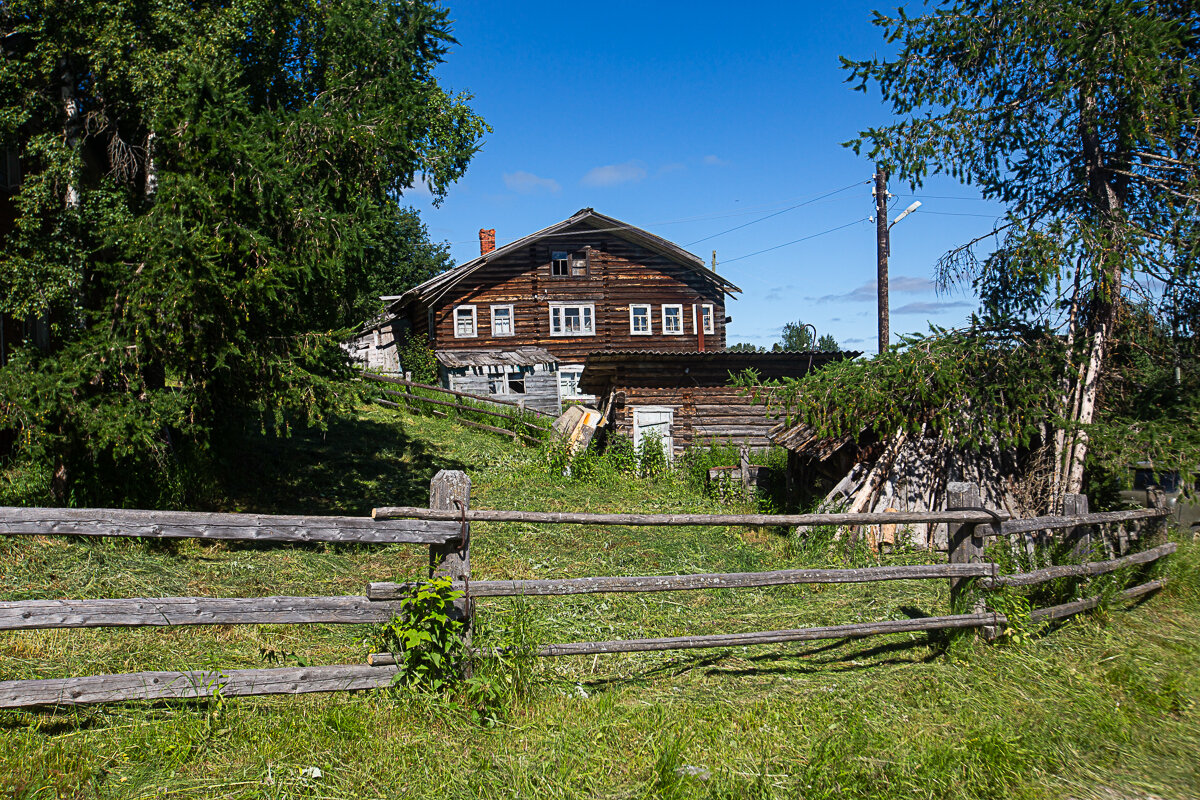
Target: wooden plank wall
[[620, 273], [702, 413]]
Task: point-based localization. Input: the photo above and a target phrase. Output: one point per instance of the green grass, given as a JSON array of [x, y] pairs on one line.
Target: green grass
[[1102, 707]]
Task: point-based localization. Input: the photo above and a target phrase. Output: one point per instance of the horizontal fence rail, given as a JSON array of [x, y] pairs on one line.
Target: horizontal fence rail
[[461, 407], [1099, 518], [21, 615], [202, 525], [674, 583], [514, 435], [476, 397], [757, 520], [1080, 570], [190, 684], [852, 631]]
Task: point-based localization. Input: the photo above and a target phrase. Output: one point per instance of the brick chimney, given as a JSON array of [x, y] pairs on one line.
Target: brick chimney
[[487, 240]]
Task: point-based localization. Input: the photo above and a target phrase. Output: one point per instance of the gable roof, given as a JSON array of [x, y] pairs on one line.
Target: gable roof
[[439, 285]]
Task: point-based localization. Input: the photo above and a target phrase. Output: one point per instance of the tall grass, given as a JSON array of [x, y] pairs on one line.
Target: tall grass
[[1097, 708]]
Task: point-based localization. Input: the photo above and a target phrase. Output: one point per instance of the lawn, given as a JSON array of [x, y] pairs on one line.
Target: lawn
[[1101, 707]]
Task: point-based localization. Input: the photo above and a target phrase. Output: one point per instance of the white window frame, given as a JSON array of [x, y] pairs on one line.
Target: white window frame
[[578, 394], [679, 308], [474, 322], [561, 307], [649, 309], [512, 320], [708, 318]]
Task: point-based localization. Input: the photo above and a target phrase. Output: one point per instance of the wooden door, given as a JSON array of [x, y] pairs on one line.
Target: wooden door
[[653, 420]]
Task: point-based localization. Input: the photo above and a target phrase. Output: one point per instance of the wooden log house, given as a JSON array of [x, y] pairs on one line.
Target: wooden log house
[[520, 320]]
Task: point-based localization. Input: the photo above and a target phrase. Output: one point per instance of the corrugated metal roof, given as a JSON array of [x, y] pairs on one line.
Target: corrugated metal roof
[[722, 355], [520, 357]]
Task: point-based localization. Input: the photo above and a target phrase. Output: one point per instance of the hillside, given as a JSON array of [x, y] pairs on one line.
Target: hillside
[[1102, 707]]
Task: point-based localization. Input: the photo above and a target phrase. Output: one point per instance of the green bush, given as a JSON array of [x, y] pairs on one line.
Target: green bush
[[417, 358]]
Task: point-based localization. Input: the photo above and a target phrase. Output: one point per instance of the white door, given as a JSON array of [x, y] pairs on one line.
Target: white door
[[653, 420]]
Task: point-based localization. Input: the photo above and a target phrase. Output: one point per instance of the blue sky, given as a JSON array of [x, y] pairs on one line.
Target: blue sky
[[691, 119]]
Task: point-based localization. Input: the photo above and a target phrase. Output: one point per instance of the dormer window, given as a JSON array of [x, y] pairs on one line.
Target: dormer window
[[564, 263]]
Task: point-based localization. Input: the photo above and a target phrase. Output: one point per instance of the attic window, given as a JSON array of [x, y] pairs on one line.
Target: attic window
[[567, 264]]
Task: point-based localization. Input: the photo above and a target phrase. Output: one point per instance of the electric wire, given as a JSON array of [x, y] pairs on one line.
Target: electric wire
[[794, 241], [777, 213]]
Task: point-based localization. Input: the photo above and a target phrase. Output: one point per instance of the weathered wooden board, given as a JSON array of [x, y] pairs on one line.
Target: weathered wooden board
[[1087, 604], [673, 583], [200, 525], [757, 520], [197, 683], [17, 615], [856, 630], [1098, 518], [1073, 570]]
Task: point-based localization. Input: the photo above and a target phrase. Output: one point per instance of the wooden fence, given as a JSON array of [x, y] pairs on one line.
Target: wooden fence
[[511, 411], [445, 528]]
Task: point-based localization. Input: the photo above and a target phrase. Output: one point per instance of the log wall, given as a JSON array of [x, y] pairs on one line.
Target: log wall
[[701, 414], [619, 273]]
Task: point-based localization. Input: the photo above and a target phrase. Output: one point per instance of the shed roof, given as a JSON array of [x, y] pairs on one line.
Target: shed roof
[[519, 357], [438, 285], [605, 368]]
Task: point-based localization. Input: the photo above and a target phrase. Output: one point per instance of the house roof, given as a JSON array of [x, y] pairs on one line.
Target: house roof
[[438, 285]]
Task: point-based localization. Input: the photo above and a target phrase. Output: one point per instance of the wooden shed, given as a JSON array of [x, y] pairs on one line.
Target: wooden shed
[[525, 375], [685, 397]]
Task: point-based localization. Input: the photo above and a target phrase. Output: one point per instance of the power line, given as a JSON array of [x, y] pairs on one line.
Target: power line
[[777, 213], [794, 241]]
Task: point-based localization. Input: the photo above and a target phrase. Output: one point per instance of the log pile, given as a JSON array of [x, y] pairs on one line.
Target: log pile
[[909, 472]]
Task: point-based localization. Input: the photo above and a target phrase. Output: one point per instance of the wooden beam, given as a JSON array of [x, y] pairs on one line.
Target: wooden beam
[[461, 407], [673, 583], [758, 520], [201, 525], [1079, 606], [1098, 518], [197, 683], [1073, 570], [853, 631], [19, 615], [460, 421], [479, 397]]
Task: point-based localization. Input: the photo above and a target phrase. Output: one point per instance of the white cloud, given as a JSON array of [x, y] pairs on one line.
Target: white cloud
[[613, 174], [527, 183], [929, 308], [868, 292], [715, 161]]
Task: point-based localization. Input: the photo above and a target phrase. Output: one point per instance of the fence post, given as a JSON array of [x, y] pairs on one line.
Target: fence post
[[744, 468], [1157, 529], [1080, 537], [965, 542], [451, 490]]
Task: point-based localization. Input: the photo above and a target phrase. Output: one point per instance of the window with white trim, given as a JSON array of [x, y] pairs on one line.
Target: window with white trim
[[465, 322], [564, 263], [639, 320], [708, 320], [569, 376], [672, 320], [572, 319], [502, 320]]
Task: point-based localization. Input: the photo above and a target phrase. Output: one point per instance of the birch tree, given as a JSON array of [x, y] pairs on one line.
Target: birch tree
[[1083, 119]]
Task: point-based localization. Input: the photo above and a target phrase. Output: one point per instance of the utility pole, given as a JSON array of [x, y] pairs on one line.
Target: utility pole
[[714, 261], [881, 251]]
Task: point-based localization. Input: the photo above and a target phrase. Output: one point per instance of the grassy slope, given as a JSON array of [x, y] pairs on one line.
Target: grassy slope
[[1100, 708]]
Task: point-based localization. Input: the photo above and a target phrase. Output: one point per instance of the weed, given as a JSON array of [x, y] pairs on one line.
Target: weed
[[425, 637]]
